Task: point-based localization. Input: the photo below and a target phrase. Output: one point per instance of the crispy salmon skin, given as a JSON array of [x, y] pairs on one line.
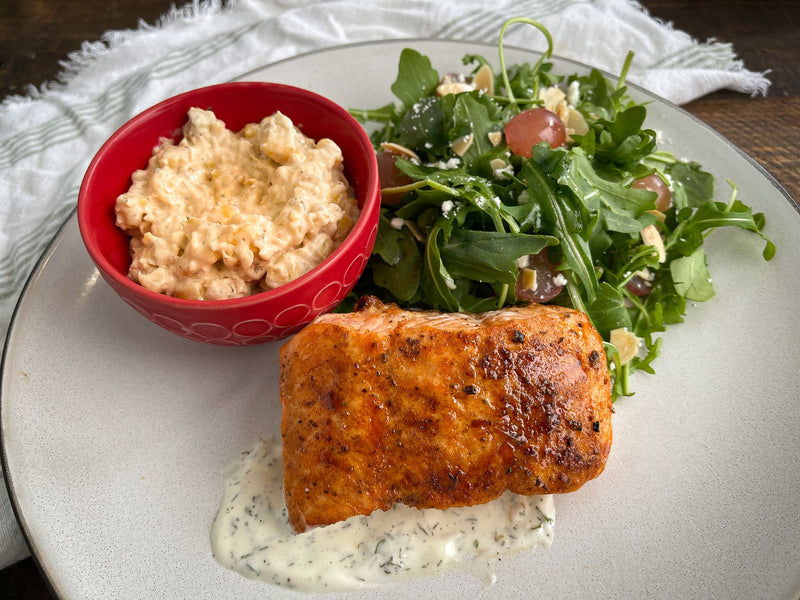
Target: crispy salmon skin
[[436, 410]]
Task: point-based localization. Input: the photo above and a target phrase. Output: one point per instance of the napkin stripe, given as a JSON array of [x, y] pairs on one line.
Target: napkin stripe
[[14, 268], [178, 61], [73, 125], [710, 55], [79, 118], [484, 24]]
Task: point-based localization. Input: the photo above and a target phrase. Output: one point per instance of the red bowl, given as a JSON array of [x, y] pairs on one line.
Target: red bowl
[[265, 316]]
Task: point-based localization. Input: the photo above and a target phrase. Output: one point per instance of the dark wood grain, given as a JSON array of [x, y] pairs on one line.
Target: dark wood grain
[[36, 35], [772, 141], [766, 36]]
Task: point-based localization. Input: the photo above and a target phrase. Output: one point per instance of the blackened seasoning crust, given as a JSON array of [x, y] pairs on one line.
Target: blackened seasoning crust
[[441, 409]]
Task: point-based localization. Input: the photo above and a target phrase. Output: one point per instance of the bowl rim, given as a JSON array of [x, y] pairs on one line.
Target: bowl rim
[[367, 219]]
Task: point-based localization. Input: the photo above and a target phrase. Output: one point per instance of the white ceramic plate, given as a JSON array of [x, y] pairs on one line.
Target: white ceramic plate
[[116, 432]]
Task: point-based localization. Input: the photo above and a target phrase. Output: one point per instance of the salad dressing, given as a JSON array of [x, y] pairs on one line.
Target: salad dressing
[[251, 534]]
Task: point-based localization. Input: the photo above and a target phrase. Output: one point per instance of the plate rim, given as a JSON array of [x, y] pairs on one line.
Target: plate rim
[[38, 267], [52, 246]]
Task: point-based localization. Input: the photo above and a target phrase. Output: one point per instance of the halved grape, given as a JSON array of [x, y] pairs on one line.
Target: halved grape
[[546, 283], [532, 126]]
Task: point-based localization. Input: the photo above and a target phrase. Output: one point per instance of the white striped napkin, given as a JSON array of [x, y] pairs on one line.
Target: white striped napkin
[[48, 137]]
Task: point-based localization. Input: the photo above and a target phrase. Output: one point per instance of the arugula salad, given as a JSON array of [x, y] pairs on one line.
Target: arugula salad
[[522, 184]]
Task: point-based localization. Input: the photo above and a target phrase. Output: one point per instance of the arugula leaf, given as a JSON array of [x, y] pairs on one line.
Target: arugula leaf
[[621, 208], [472, 117], [384, 114], [459, 185], [566, 223], [608, 311], [621, 142], [489, 256], [388, 241], [416, 78], [423, 127], [645, 363], [716, 214], [673, 304], [689, 233], [696, 184], [598, 97], [438, 284], [647, 316], [401, 263], [401, 278], [627, 123], [691, 277]]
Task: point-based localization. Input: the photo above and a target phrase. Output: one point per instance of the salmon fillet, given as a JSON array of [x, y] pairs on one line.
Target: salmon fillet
[[437, 410]]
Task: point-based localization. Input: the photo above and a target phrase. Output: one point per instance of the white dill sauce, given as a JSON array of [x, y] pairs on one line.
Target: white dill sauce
[[251, 534]]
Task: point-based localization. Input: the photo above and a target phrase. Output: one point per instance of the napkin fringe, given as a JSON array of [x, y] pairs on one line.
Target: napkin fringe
[[711, 55]]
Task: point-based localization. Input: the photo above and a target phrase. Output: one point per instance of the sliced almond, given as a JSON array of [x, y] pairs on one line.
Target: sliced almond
[[574, 121], [462, 144], [495, 137], [448, 85], [651, 237], [497, 164], [625, 342], [499, 167], [484, 79], [527, 279], [414, 229], [555, 100], [552, 96], [399, 150]]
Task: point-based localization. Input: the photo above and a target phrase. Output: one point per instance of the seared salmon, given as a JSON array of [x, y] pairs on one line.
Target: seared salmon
[[437, 410]]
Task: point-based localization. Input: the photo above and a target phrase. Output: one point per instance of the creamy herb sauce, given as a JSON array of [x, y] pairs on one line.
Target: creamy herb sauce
[[251, 534]]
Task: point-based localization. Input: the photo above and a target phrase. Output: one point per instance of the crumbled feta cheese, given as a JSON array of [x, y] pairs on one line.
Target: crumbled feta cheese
[[573, 92], [450, 164], [447, 206], [560, 279], [397, 223], [500, 168]]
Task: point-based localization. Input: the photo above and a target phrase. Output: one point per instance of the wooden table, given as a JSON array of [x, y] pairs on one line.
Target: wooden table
[[36, 35]]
